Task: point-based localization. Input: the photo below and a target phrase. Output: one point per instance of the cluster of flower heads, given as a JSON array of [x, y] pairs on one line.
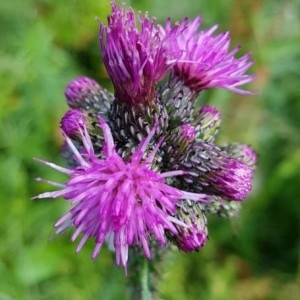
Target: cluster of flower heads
[[144, 170]]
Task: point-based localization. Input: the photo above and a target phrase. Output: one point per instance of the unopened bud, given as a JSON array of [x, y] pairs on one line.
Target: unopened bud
[[193, 237], [209, 123], [72, 122], [85, 93]]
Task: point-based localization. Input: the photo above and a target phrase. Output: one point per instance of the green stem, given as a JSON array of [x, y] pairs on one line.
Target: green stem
[[146, 293], [142, 273]]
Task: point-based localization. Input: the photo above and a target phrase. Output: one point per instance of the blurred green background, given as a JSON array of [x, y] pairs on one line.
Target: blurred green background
[[46, 43]]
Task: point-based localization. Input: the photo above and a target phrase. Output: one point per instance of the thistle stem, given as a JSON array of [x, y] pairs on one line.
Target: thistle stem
[[146, 293], [140, 276]]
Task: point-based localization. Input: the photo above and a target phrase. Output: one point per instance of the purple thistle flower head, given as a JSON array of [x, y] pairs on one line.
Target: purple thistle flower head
[[206, 61], [73, 122], [215, 172], [78, 89], [125, 202], [135, 54], [234, 180]]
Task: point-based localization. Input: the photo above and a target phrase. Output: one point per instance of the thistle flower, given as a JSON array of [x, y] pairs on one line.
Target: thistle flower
[[223, 207], [123, 201], [206, 61], [215, 172], [135, 54]]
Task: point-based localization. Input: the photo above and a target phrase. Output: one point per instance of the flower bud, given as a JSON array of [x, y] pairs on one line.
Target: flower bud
[[209, 122], [85, 93], [193, 237], [178, 141], [72, 122]]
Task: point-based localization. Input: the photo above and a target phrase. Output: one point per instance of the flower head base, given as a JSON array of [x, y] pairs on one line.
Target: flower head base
[[125, 201], [206, 61]]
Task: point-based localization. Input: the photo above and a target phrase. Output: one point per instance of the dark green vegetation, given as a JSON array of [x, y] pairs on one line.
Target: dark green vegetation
[[43, 45]]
